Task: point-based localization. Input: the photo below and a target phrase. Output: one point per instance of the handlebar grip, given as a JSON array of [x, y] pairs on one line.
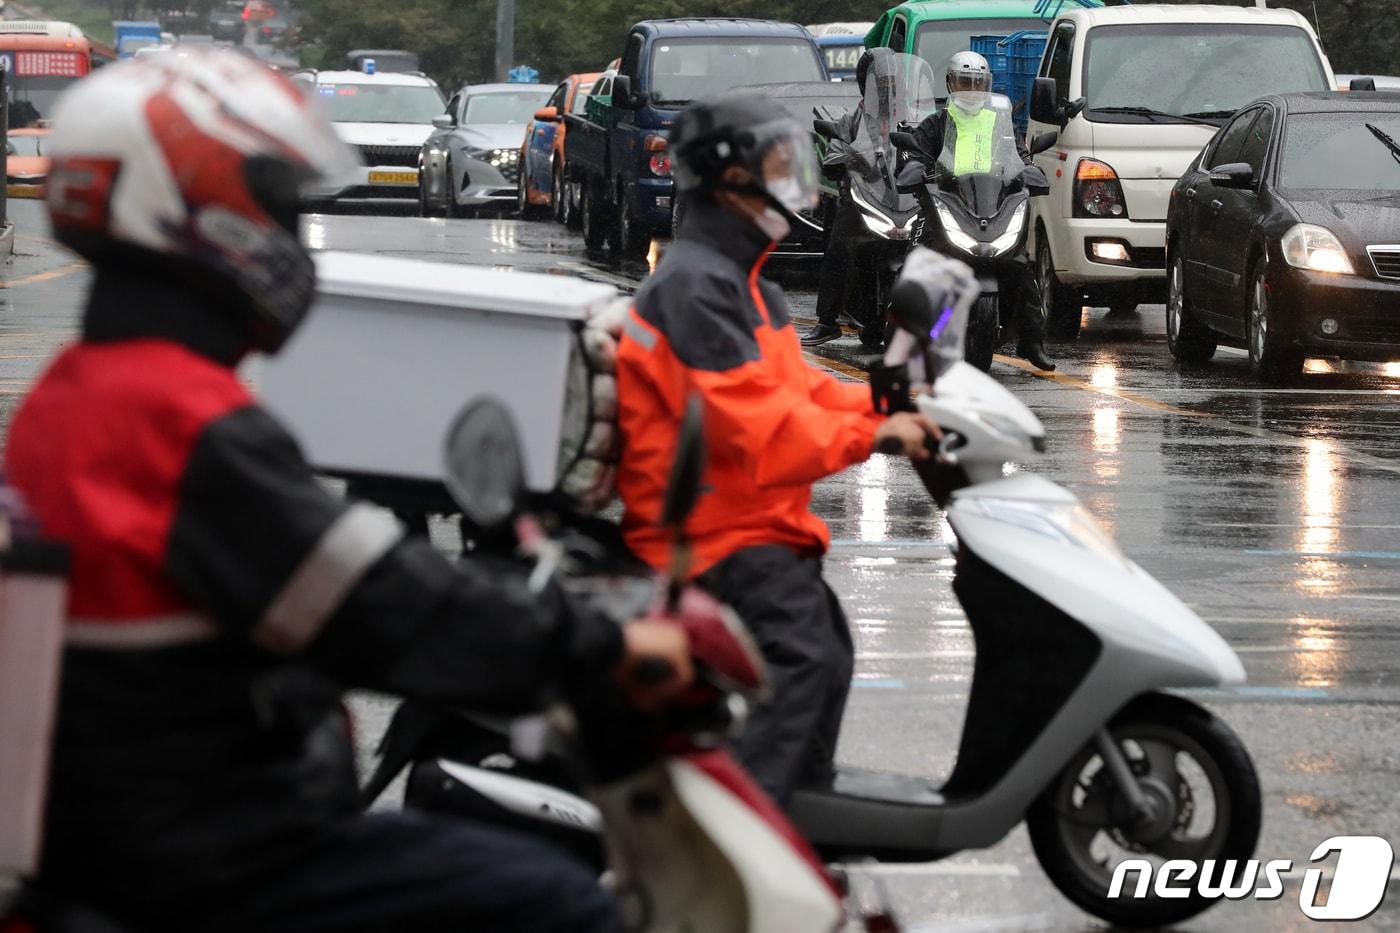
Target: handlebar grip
[[651, 672], [891, 445]]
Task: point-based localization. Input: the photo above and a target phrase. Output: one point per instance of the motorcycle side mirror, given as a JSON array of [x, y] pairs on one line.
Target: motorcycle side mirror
[[904, 142], [483, 466], [911, 310], [834, 166], [1042, 142], [826, 128]]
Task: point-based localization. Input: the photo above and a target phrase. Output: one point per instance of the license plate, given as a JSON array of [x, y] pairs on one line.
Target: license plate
[[393, 178]]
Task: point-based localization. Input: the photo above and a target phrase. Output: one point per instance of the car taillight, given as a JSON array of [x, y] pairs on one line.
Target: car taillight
[[660, 162], [1097, 191]]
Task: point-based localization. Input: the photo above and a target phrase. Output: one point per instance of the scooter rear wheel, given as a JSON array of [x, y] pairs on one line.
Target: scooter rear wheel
[[1205, 793]]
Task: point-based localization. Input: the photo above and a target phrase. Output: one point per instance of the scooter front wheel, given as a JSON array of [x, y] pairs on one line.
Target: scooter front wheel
[[1204, 801], [982, 332]]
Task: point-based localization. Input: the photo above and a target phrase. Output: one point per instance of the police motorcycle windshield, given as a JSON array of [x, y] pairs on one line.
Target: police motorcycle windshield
[[899, 93], [979, 160]]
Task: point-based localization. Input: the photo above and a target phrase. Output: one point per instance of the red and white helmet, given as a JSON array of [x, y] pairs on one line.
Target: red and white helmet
[[192, 165]]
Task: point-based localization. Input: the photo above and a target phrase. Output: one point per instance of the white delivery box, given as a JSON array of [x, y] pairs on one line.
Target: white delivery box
[[394, 348], [33, 606]]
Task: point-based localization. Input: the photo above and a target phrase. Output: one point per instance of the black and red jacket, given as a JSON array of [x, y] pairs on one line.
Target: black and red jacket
[[707, 322], [220, 599]]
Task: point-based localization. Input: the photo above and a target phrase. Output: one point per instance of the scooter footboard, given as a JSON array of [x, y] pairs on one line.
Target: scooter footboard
[[1015, 692]]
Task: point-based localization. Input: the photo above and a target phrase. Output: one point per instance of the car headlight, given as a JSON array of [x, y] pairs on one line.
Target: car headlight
[[1063, 522], [1308, 246], [503, 158], [1013, 232], [953, 231]]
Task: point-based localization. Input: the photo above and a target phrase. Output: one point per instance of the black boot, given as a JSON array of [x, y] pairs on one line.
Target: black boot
[[822, 333], [1033, 351]]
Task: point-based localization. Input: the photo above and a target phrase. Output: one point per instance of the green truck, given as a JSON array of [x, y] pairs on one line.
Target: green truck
[[937, 29]]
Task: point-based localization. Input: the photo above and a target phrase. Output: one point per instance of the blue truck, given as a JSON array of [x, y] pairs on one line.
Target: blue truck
[[616, 150], [131, 36]]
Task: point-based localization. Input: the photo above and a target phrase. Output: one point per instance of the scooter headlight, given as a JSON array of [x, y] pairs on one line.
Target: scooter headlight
[[1014, 229], [1068, 524], [953, 231], [876, 221]]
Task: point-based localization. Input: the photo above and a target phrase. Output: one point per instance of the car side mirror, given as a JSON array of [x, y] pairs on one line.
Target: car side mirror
[[834, 166], [483, 467], [444, 121], [1044, 92], [1042, 142], [622, 93], [1233, 175], [547, 115], [1363, 84]]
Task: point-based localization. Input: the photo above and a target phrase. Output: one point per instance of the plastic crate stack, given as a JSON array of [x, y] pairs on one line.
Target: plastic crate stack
[[1014, 61]]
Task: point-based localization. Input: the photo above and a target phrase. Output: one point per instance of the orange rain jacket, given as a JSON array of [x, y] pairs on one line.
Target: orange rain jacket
[[706, 322]]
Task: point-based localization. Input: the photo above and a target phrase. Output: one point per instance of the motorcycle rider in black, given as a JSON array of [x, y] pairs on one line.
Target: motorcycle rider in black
[[839, 281], [969, 81], [221, 599]]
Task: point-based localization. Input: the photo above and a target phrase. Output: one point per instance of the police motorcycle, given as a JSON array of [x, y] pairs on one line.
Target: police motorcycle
[[976, 206], [899, 92], [1071, 725]]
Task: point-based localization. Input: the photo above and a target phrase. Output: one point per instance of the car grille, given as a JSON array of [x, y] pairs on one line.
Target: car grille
[[1386, 259], [390, 155], [1377, 331]]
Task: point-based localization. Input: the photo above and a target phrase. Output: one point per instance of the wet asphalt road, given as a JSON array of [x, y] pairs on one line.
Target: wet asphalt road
[[1275, 513]]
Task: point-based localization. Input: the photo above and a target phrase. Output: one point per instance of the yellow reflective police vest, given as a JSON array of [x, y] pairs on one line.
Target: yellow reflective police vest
[[975, 140]]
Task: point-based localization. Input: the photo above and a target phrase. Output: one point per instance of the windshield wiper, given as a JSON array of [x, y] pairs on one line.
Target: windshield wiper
[[1386, 140], [1212, 114], [1149, 112]]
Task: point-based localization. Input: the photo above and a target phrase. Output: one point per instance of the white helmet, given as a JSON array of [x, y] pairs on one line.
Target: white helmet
[[191, 166], [969, 81]]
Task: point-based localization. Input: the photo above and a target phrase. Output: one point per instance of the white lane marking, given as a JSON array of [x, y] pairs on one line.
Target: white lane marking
[[914, 655], [949, 869]]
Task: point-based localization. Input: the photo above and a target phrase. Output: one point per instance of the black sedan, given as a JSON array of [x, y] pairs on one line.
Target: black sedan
[[1283, 237]]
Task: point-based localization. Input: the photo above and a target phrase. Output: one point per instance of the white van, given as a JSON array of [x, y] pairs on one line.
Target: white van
[[1135, 92]]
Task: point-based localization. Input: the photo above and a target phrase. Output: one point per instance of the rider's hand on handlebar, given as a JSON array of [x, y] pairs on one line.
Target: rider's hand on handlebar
[[655, 663], [908, 433]]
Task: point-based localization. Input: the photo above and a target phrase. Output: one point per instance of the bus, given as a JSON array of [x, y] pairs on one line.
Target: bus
[[41, 58]]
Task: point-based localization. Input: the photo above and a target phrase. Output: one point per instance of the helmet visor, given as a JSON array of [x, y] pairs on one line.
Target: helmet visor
[[783, 161], [969, 81]]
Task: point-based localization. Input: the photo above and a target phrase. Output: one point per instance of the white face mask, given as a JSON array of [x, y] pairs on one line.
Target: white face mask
[[969, 101], [788, 192]]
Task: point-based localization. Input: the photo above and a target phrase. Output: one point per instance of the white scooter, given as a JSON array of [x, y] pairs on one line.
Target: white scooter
[[1068, 727]]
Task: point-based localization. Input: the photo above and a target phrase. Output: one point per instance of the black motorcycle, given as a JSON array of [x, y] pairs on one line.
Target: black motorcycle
[[860, 157], [977, 209]]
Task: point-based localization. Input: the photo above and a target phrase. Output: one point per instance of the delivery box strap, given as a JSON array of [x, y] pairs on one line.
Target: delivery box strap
[[139, 634]]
